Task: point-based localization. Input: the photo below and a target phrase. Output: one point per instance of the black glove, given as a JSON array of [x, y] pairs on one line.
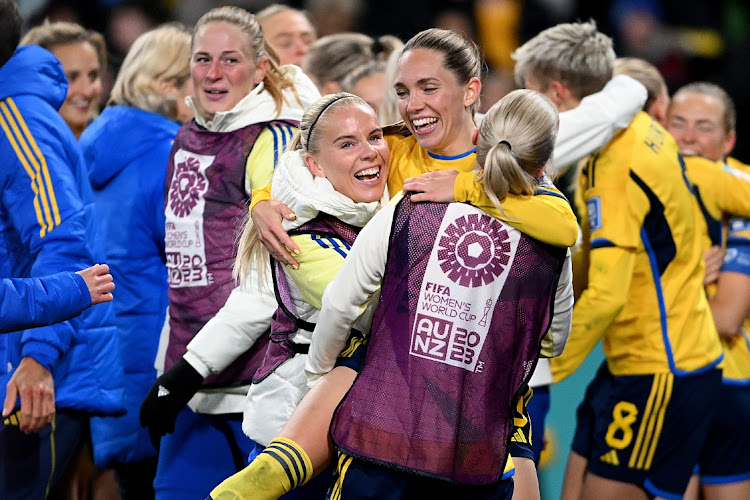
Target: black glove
[[167, 397]]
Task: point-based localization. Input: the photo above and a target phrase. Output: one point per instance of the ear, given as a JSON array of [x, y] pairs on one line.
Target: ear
[[730, 142], [472, 91], [168, 87], [313, 165], [558, 93], [475, 136], [261, 70], [658, 110], [538, 174]]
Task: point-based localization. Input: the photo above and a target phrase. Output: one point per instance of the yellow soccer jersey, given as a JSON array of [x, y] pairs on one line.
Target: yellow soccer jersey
[[639, 201], [720, 192], [736, 367], [263, 158], [320, 261], [547, 218], [408, 159], [737, 349]]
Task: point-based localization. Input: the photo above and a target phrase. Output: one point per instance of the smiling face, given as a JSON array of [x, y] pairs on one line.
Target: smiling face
[[83, 71], [223, 67], [290, 33], [696, 122], [352, 153], [434, 105]]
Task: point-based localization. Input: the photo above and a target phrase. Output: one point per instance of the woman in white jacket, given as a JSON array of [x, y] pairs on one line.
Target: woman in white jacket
[[246, 107], [459, 323], [342, 300], [333, 177]]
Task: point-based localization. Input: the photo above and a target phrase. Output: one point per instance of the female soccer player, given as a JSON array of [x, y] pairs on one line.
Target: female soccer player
[[245, 107], [438, 88], [465, 301]]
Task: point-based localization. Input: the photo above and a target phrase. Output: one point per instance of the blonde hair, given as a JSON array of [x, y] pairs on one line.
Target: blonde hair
[[575, 54], [250, 250], [275, 81], [157, 56], [333, 57], [516, 140], [50, 35], [644, 72], [461, 56]]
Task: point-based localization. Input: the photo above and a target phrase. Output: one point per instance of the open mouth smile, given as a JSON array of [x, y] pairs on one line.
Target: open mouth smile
[[424, 125], [371, 174]]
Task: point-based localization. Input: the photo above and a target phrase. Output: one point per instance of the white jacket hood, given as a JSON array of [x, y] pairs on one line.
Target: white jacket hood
[[258, 105], [306, 194]]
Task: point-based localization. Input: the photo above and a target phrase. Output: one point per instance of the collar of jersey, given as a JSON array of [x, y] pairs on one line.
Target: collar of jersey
[[457, 157]]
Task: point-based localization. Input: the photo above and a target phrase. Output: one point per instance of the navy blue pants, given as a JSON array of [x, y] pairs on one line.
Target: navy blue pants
[[31, 464], [203, 451]]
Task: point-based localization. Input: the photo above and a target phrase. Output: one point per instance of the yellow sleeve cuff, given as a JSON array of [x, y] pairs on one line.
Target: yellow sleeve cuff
[[466, 189], [545, 217], [259, 195]]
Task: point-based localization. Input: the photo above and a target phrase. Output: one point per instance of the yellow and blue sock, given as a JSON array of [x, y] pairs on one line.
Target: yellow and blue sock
[[278, 469]]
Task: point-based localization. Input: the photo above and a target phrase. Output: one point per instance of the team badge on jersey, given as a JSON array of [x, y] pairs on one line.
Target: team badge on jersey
[[594, 206], [738, 225]]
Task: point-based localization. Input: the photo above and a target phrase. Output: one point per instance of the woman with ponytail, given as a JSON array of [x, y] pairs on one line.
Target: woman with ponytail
[[514, 144], [465, 309], [333, 177], [448, 374], [437, 87], [332, 59], [246, 109]]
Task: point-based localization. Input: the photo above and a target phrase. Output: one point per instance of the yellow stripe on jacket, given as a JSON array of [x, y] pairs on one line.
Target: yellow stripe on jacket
[[34, 163]]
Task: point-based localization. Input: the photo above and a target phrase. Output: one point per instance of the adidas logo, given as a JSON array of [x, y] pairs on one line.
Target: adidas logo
[[519, 437], [610, 458], [163, 391]]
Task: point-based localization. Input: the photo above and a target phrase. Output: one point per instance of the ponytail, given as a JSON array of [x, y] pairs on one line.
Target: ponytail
[[515, 142], [250, 250], [502, 172], [275, 81]]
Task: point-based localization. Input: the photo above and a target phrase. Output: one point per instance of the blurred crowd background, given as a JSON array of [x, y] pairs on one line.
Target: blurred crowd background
[[687, 40]]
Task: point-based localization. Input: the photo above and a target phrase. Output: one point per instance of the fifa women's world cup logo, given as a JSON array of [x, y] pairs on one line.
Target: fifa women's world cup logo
[[464, 276], [188, 184], [474, 250], [184, 239]]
